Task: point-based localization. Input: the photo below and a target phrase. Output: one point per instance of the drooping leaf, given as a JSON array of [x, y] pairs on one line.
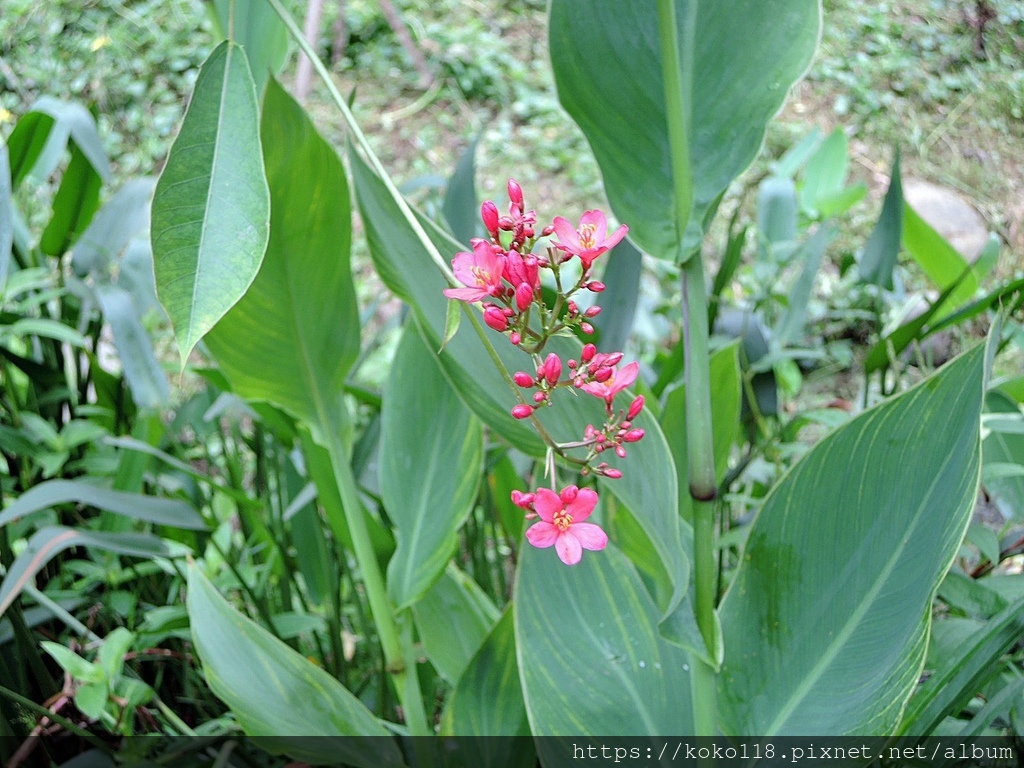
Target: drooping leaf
[[143, 372], [150, 509], [943, 264], [211, 207], [122, 217], [826, 621], [429, 467], [648, 484], [274, 691], [453, 618], [77, 199], [621, 277], [742, 58], [616, 676], [49, 541], [41, 136], [300, 312], [878, 259]]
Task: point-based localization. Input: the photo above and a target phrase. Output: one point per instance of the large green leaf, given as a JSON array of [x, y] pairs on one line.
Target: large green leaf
[[648, 486], [211, 207], [739, 63], [257, 28], [275, 691], [1005, 448], [151, 509], [590, 657], [431, 454], [827, 619], [47, 542], [76, 201], [294, 335]]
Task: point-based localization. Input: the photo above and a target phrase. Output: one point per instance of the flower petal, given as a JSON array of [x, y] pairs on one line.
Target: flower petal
[[567, 234], [542, 534], [466, 294], [616, 236], [462, 266], [547, 504], [581, 507], [590, 536], [624, 377], [568, 548], [599, 222]]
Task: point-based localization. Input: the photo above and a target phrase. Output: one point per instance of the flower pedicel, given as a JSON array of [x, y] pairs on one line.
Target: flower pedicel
[[503, 272]]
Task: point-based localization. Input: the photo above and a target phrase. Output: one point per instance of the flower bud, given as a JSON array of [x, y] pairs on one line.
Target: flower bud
[[515, 192], [506, 223], [588, 353], [524, 296], [547, 231], [612, 473], [603, 374], [572, 364], [613, 359], [552, 369], [489, 214], [568, 494], [523, 500], [620, 451], [540, 397], [633, 436], [495, 318], [522, 411], [523, 379], [635, 407], [587, 328], [592, 312], [515, 338], [594, 286], [573, 309]]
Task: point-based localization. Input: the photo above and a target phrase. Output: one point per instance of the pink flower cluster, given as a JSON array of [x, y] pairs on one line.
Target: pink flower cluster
[[504, 273]]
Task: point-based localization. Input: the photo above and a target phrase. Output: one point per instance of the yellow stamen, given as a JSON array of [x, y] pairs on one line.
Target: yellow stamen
[[587, 236], [561, 520]]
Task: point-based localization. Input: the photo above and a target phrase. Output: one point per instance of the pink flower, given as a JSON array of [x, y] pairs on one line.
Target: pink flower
[[561, 523], [618, 381], [480, 271], [590, 240]]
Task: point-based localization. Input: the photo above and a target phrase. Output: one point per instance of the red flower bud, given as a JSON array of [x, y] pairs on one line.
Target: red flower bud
[[547, 231], [515, 338], [552, 369], [506, 223], [523, 500], [594, 286], [633, 436], [588, 353], [495, 318], [612, 473], [620, 451], [571, 363], [522, 411], [603, 374], [540, 397], [568, 494], [592, 312], [515, 192], [613, 359], [635, 407], [573, 309], [587, 328], [523, 379], [489, 214], [524, 296]]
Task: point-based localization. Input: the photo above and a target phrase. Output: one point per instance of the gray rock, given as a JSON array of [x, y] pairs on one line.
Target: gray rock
[[949, 214]]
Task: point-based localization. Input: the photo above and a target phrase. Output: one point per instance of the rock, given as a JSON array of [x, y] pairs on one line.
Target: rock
[[949, 214]]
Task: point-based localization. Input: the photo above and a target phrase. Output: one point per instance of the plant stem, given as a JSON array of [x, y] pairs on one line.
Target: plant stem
[[677, 79], [404, 677]]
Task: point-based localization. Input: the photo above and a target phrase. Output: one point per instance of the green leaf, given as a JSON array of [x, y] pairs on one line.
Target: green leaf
[[256, 27], [47, 542], [91, 699], [791, 324], [1008, 448], [122, 217], [953, 684], [73, 664], [453, 618], [76, 201], [143, 372], [275, 691], [776, 215], [607, 63], [461, 208], [150, 509], [825, 173], [38, 141], [648, 485], [878, 259], [429, 467], [622, 273], [211, 205], [941, 262], [300, 311], [826, 621], [488, 700], [6, 216], [592, 628], [111, 654]]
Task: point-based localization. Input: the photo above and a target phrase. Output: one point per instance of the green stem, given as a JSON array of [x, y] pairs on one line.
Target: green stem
[[677, 78], [405, 679]]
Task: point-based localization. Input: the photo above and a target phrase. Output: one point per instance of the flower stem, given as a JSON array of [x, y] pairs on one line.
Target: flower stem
[[677, 75]]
